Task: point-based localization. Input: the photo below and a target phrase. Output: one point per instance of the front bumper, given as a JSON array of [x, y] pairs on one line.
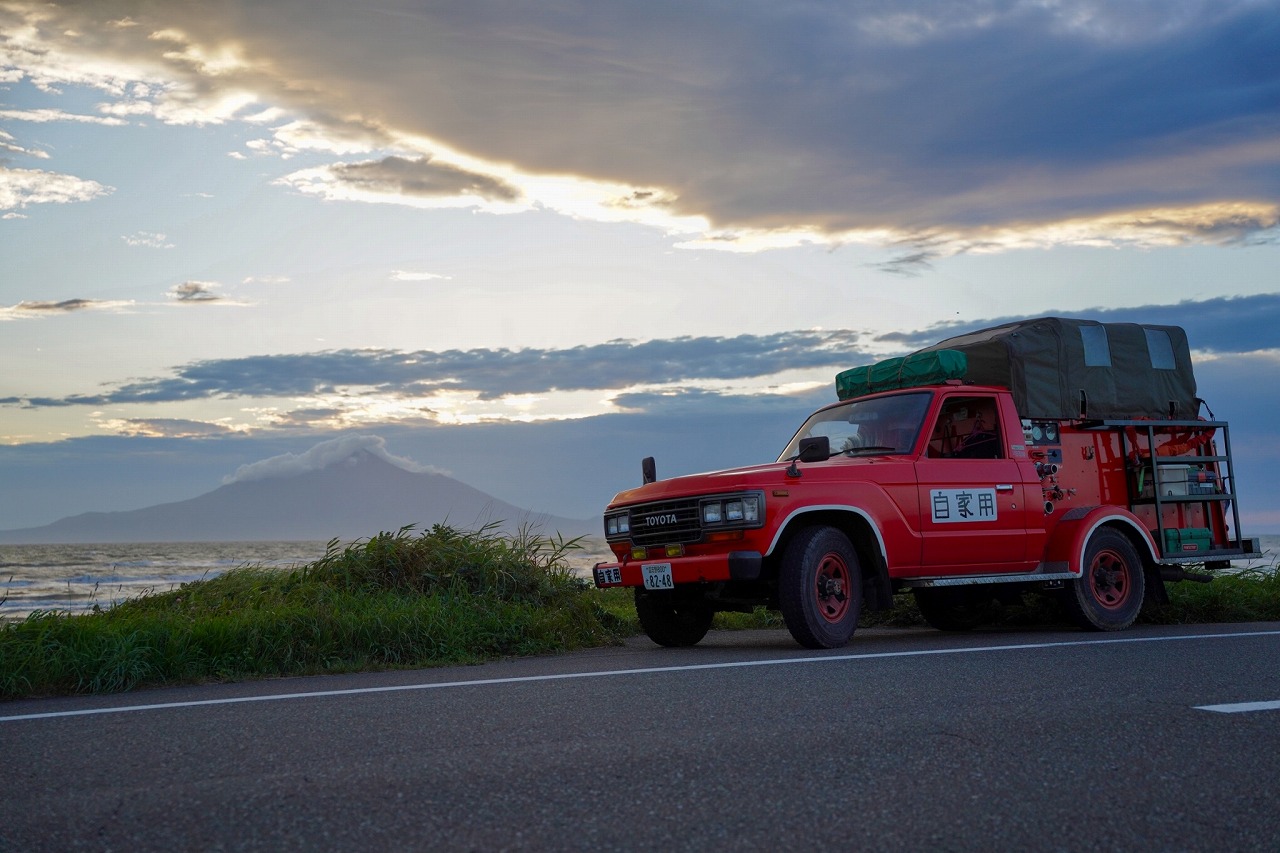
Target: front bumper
[[706, 568]]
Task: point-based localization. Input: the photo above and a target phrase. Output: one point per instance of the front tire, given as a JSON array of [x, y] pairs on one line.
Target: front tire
[[672, 619], [820, 588], [1108, 596]]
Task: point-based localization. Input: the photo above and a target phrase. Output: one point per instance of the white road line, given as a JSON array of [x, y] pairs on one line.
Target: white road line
[[1240, 707], [564, 676]]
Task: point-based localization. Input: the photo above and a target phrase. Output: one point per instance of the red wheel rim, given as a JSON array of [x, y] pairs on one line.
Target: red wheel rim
[[1109, 579], [831, 587]]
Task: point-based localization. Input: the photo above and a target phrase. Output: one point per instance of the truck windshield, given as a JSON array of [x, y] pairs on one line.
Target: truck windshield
[[887, 424]]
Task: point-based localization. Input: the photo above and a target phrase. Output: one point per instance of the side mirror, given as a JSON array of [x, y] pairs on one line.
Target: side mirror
[[816, 448], [648, 469]]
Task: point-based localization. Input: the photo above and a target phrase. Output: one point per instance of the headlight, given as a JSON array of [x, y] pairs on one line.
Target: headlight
[[624, 524], [733, 511], [617, 525], [711, 513], [611, 525], [750, 509]]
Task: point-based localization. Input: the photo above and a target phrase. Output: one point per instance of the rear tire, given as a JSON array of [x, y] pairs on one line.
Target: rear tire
[[953, 608], [820, 588], [673, 619], [1108, 596]]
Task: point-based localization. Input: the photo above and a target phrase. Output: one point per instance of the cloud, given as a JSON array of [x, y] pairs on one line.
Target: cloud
[[1224, 324], [407, 275], [194, 292], [22, 187], [324, 455], [935, 127], [401, 180], [166, 428], [33, 309], [50, 115], [642, 373], [7, 143], [487, 373], [148, 240]]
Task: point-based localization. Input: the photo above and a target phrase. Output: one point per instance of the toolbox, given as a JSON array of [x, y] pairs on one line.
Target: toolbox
[[1186, 540]]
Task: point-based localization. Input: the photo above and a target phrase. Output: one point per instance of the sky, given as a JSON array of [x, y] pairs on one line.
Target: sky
[[526, 244]]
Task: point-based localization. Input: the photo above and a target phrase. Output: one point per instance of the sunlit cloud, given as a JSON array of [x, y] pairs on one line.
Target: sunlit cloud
[[23, 187], [727, 138], [164, 428], [51, 115], [9, 144]]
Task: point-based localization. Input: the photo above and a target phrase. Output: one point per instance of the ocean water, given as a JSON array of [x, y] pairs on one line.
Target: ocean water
[[74, 578]]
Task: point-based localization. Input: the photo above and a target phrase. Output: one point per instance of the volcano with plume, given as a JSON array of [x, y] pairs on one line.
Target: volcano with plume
[[346, 491]]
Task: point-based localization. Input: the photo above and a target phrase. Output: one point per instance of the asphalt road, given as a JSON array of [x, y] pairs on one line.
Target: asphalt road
[[904, 740]]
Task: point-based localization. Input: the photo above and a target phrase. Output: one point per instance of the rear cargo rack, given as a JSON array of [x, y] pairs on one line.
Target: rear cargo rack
[[1206, 478]]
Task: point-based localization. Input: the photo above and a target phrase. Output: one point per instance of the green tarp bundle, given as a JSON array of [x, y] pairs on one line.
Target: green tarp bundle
[[1057, 368], [907, 371]]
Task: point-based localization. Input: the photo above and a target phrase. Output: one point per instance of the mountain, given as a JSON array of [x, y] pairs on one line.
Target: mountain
[[355, 497]]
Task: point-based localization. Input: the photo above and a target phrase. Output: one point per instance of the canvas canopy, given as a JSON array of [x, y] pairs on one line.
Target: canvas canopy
[[1063, 368]]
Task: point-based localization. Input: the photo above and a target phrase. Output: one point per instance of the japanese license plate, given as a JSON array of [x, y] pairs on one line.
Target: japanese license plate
[[658, 576], [612, 574]]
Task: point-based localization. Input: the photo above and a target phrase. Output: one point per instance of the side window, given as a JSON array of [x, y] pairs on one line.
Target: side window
[[967, 428], [1097, 350], [1160, 348]]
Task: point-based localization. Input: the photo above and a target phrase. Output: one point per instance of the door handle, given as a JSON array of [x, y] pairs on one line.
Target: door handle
[[1004, 488]]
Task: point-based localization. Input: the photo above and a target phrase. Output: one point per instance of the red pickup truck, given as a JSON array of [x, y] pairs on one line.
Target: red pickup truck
[[1053, 455]]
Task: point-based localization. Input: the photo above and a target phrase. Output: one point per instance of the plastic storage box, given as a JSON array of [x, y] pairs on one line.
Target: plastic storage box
[[1186, 540]]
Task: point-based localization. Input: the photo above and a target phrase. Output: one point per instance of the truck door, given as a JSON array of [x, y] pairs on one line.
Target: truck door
[[972, 502]]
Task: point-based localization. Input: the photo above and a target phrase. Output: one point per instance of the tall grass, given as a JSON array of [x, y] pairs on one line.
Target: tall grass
[[445, 596]]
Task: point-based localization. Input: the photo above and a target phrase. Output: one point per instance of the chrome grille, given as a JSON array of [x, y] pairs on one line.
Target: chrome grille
[[666, 523]]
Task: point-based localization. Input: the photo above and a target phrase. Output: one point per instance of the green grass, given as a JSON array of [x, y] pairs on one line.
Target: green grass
[[395, 600], [440, 597]]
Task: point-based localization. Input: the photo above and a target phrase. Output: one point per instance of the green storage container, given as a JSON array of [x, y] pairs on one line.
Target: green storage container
[[1186, 540]]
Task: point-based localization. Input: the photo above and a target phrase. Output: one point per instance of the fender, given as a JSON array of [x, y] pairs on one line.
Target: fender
[[1072, 532], [858, 511]]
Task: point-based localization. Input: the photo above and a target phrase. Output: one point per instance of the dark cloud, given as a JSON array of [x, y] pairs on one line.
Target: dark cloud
[[894, 114], [909, 264], [64, 305], [1225, 324], [421, 177], [194, 291], [489, 373]]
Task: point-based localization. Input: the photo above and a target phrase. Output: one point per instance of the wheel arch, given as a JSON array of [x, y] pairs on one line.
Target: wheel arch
[[1073, 531], [864, 534]]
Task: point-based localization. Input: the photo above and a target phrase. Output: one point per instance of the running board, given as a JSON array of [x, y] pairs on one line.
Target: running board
[[1043, 572]]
